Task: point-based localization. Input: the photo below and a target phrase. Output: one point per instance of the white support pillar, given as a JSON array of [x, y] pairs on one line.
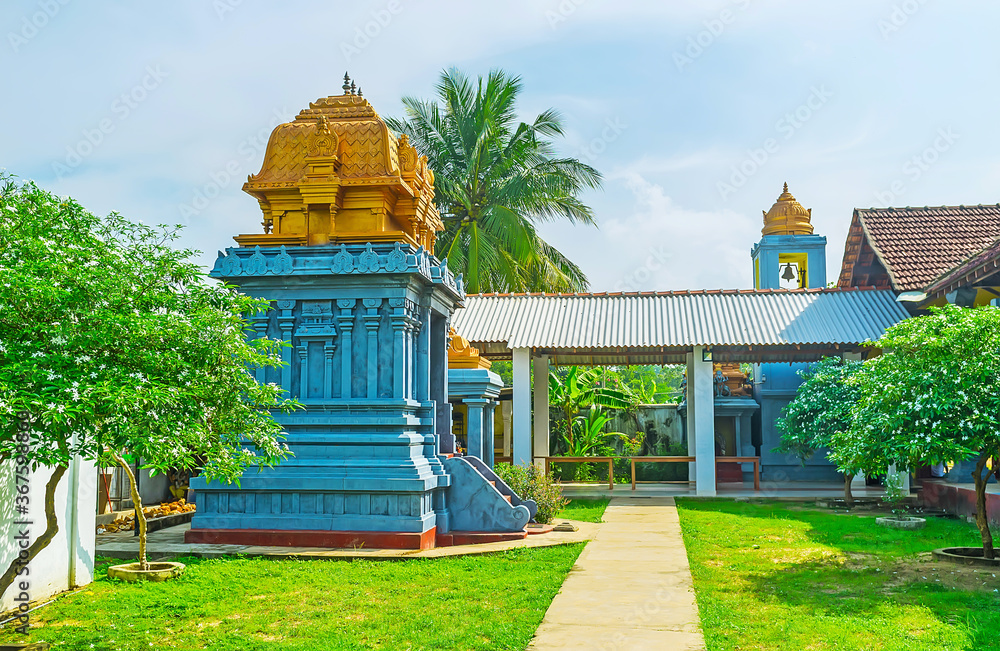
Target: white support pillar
[[703, 405], [691, 417], [521, 421], [904, 477], [507, 416], [540, 426]]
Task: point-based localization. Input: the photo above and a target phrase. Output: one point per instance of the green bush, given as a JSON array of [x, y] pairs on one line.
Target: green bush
[[531, 484]]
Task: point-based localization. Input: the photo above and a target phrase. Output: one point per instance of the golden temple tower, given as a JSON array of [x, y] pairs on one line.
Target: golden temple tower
[[336, 174]]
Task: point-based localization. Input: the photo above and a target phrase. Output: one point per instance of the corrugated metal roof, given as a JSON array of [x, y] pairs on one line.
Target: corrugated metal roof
[[679, 319]]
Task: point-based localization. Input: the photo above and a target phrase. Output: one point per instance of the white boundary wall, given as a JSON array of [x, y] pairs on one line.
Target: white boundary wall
[[68, 561]]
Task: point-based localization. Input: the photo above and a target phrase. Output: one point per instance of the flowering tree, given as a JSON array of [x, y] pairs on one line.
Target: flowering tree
[[113, 345], [820, 412], [934, 396]]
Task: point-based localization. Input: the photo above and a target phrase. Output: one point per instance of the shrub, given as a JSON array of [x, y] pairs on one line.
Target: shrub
[[531, 484]]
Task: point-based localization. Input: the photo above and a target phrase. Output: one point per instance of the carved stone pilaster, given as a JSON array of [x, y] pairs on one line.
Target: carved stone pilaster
[[259, 323], [371, 319], [345, 319], [286, 323]]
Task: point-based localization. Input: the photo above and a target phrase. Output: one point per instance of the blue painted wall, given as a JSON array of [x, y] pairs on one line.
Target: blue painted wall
[[368, 327], [775, 384]]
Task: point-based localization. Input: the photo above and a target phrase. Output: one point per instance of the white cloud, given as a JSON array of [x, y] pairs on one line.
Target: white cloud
[[657, 244]]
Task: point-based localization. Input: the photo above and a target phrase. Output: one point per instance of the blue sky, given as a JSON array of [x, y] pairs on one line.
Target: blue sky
[[695, 112]]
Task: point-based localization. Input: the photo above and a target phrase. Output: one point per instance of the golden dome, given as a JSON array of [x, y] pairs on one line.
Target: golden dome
[[337, 174], [787, 217]]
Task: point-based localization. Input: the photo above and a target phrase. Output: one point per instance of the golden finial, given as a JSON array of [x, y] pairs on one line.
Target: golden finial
[[787, 216]]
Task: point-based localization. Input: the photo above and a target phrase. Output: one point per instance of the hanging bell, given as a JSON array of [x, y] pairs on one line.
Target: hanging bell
[[789, 273]]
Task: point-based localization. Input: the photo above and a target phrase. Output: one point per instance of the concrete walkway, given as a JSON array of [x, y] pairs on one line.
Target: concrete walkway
[[630, 589]]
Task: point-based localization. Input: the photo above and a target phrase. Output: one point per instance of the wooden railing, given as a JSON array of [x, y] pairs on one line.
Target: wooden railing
[[754, 460], [611, 464], [610, 460]]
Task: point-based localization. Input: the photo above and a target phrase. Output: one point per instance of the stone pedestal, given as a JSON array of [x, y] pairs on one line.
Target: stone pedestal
[[477, 389]]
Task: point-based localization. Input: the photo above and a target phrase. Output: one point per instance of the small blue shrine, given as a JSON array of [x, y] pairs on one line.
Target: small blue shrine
[[346, 259]]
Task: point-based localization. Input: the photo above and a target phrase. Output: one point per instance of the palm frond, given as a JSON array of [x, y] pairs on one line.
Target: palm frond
[[495, 178]]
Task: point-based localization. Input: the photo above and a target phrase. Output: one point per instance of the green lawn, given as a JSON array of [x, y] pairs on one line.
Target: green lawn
[[493, 601], [820, 581], [584, 510]]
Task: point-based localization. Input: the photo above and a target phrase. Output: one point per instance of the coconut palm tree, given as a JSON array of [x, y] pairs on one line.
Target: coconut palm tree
[[496, 178]]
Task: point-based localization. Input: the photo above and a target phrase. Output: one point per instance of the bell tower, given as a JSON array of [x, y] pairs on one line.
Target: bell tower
[[789, 255]]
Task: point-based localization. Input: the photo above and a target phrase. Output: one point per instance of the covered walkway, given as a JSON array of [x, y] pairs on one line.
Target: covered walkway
[[695, 328]]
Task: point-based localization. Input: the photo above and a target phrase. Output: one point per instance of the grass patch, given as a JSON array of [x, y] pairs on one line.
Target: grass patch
[[493, 601], [820, 581], [584, 510]]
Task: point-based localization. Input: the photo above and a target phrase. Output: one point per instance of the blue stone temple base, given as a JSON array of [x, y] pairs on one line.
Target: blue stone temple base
[[368, 330]]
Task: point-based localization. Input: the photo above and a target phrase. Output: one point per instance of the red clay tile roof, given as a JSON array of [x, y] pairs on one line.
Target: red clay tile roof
[[979, 265], [908, 248]]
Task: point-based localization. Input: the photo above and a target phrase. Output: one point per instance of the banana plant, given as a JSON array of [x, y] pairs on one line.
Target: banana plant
[[591, 433], [578, 390]]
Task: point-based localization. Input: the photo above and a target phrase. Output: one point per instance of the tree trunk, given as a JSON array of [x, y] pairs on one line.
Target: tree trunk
[[569, 425], [848, 495], [51, 529], [139, 515], [981, 521]]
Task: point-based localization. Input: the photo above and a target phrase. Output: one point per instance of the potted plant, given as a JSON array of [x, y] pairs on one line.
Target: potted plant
[[896, 497]]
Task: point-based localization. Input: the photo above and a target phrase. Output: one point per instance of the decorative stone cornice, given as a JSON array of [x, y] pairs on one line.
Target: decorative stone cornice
[[345, 259]]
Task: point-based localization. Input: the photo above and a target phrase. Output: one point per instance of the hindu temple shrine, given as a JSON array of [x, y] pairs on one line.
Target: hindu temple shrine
[[345, 257]]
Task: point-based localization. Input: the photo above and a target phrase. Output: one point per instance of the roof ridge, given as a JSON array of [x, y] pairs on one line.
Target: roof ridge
[[987, 206], [678, 292]]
